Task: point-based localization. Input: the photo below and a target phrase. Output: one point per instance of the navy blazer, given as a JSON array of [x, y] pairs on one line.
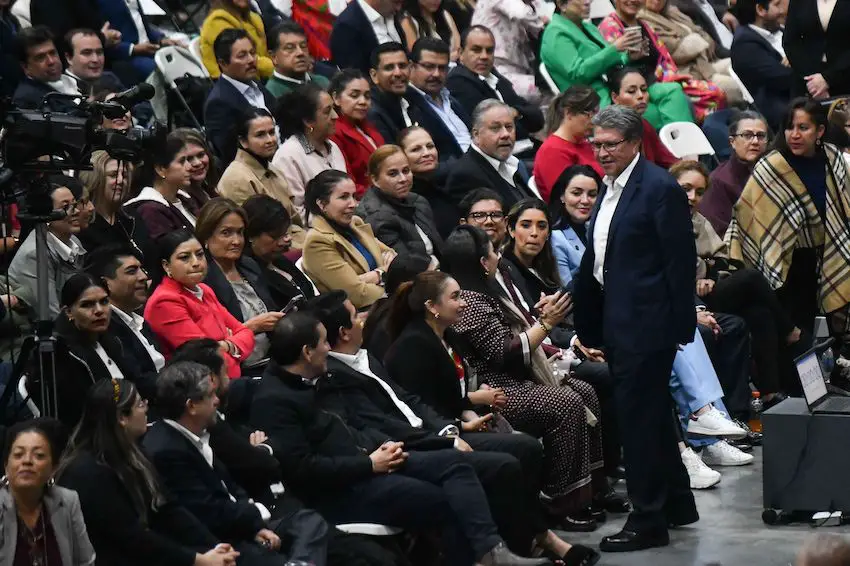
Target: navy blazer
[[650, 267], [30, 92], [224, 104], [422, 113], [473, 171], [353, 39], [760, 68], [136, 356], [118, 15]]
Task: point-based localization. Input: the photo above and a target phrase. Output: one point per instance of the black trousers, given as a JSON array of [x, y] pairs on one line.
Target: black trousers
[[730, 356], [304, 530], [598, 375], [657, 482]]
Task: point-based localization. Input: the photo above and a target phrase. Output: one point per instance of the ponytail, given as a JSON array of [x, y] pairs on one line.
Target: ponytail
[[401, 313], [408, 302]]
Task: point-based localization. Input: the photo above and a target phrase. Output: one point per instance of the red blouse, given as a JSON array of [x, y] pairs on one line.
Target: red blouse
[[357, 149], [554, 156]]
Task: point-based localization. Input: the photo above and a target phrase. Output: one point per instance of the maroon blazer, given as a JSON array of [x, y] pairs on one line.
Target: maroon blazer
[[357, 150], [159, 216]]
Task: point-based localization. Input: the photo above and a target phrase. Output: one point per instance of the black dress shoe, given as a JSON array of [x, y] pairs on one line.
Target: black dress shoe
[[577, 523], [611, 502], [629, 541], [753, 438]]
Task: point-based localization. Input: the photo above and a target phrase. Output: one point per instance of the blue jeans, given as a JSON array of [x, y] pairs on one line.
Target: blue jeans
[[694, 384]]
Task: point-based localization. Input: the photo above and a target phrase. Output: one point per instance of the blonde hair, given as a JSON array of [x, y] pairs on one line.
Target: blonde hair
[[380, 155], [94, 181]]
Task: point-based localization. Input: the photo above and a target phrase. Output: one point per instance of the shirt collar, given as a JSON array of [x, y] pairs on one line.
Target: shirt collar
[[491, 80], [196, 440], [371, 13], [239, 85], [357, 361], [510, 162], [770, 36], [444, 93], [621, 181], [132, 319], [309, 147], [283, 77], [67, 253]]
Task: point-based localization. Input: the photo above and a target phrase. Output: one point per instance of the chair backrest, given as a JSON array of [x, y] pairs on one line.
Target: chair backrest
[[748, 98], [600, 9], [684, 139], [195, 48], [550, 82], [22, 391], [174, 62]]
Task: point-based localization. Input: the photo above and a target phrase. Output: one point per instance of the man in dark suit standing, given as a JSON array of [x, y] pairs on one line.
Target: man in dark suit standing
[[634, 297], [490, 161], [236, 91], [360, 28]]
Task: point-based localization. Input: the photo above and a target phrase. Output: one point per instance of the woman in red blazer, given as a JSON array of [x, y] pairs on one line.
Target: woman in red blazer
[[182, 308], [355, 136]]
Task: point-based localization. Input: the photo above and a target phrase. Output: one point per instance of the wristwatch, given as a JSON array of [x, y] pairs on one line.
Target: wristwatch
[[383, 276]]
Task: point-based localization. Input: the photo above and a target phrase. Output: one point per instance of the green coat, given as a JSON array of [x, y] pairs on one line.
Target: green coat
[[280, 87]]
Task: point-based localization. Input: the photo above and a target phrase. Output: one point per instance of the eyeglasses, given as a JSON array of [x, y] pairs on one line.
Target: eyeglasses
[[71, 207], [607, 146], [749, 136], [483, 216]]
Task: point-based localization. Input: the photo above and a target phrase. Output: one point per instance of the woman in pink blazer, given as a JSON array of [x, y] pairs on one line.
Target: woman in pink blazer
[[182, 308]]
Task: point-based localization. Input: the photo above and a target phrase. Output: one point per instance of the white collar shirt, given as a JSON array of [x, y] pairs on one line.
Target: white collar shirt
[[773, 38], [383, 27], [135, 323], [506, 169], [250, 91], [66, 253], [602, 223], [307, 78], [492, 81], [723, 32]]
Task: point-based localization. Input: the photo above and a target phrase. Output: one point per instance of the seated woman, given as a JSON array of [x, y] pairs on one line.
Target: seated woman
[[341, 251], [47, 518], [203, 166], [129, 518], [267, 231], [229, 14], [182, 308], [654, 60], [575, 53], [356, 137], [400, 219], [528, 250], [629, 88], [429, 176], [65, 252], [162, 204], [728, 287], [237, 281], [107, 186], [252, 173], [429, 18], [505, 353], [307, 120], [567, 128], [570, 206]]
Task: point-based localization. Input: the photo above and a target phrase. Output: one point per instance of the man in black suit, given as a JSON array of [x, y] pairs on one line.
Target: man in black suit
[[360, 28], [236, 91], [759, 60], [641, 251], [490, 161], [363, 475], [476, 79], [42, 67], [390, 73]]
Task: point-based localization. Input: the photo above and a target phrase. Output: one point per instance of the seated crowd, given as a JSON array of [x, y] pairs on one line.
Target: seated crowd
[[348, 298]]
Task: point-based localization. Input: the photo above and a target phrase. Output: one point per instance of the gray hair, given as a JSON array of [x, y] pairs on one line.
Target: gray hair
[[178, 383], [744, 115], [824, 549], [621, 118], [485, 106]]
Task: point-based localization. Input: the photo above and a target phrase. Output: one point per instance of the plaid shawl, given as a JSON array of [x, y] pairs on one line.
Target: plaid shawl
[[775, 215]]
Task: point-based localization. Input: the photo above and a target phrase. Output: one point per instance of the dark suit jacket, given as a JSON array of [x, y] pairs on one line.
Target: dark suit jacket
[[136, 356], [469, 90], [118, 15], [385, 114], [806, 43], [760, 68], [364, 405], [252, 273], [251, 467], [280, 288], [422, 112], [203, 490], [473, 171], [649, 270], [224, 104], [29, 93], [353, 39]]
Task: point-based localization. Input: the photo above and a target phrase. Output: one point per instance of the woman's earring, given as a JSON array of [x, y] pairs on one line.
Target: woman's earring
[[486, 272], [310, 129], [51, 482], [436, 315]]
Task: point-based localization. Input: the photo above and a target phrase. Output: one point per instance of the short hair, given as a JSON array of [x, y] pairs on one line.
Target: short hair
[[376, 160], [296, 106], [286, 26], [213, 213], [104, 261], [477, 27], [329, 309], [745, 10], [621, 118], [266, 215], [574, 100], [291, 334], [477, 195], [28, 38], [738, 117], [68, 40], [178, 383], [428, 44], [686, 166], [388, 47], [223, 44], [204, 351], [485, 106]]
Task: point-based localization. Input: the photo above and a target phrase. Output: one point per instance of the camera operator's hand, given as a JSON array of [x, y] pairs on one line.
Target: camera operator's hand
[[145, 49]]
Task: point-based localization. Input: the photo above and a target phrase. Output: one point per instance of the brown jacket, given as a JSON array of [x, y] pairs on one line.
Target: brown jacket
[[688, 44], [245, 177], [332, 262]]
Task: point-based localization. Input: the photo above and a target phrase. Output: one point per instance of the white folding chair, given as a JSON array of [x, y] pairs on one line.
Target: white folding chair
[[600, 9], [174, 62], [532, 184], [748, 98], [685, 139], [369, 529], [195, 49], [22, 391], [550, 82], [299, 263]]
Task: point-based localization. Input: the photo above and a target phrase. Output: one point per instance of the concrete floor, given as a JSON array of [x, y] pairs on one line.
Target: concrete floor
[[730, 531]]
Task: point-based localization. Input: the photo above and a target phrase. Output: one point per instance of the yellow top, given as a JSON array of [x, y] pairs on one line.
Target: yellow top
[[219, 20]]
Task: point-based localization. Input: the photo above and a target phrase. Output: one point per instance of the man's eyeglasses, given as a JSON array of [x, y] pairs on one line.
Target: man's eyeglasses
[[607, 146], [749, 136], [483, 216]]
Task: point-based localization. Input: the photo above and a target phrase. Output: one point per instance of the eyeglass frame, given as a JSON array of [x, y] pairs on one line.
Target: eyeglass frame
[[484, 216]]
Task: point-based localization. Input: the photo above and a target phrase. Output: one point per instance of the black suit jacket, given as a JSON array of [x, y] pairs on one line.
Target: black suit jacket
[[136, 356], [222, 109], [806, 43], [29, 93], [422, 113], [203, 489], [649, 270], [353, 39], [760, 68], [385, 114], [224, 292], [280, 288], [252, 467], [469, 90], [473, 171]]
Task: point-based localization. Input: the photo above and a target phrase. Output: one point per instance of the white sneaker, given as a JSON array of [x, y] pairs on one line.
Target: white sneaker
[[714, 423], [721, 453], [701, 476]]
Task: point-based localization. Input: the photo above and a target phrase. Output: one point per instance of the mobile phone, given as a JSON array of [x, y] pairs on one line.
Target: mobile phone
[[294, 304], [579, 354]]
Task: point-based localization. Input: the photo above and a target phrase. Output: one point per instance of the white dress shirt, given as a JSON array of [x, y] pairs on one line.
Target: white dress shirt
[[138, 21], [492, 80], [250, 91], [506, 169], [360, 363], [135, 322], [384, 28], [723, 32], [66, 253], [602, 224], [111, 366], [774, 38]]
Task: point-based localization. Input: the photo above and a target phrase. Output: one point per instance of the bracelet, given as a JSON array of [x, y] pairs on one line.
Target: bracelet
[[545, 326]]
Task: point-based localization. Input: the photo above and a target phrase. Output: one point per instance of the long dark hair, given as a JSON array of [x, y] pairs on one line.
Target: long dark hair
[[408, 302], [100, 433], [320, 188], [816, 112], [544, 262], [558, 217], [441, 26]]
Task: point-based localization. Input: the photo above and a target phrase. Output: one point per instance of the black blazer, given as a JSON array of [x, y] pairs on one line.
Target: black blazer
[[469, 90], [251, 467], [136, 356], [650, 266], [29, 93], [171, 536], [760, 68], [280, 288], [365, 405], [353, 39], [252, 273], [422, 113], [203, 490], [419, 363], [385, 114], [806, 43], [223, 106], [473, 171]]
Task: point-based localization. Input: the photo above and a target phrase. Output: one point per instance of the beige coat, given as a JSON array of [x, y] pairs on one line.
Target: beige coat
[[245, 177], [709, 245], [332, 262], [687, 43]]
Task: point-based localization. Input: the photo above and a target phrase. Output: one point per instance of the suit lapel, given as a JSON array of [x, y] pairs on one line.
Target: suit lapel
[[632, 186]]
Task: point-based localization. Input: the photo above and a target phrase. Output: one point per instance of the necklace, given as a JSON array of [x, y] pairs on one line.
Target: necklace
[[34, 536]]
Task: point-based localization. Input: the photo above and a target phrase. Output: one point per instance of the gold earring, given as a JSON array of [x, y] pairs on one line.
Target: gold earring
[[310, 129], [486, 272], [437, 315]]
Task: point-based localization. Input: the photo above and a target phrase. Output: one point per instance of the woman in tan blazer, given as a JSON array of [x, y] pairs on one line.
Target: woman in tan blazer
[[341, 252]]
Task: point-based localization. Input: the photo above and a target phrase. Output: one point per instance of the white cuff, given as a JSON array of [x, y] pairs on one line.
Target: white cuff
[[264, 513], [267, 447]]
